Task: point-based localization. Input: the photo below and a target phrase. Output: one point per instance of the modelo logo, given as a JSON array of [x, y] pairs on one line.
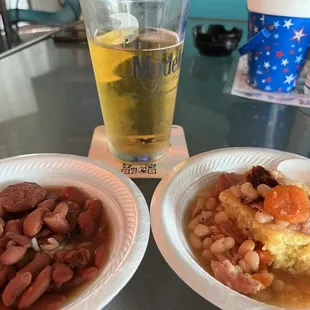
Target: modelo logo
[[149, 69]]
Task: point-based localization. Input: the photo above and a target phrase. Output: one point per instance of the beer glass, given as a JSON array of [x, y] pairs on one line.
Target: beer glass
[[136, 48]]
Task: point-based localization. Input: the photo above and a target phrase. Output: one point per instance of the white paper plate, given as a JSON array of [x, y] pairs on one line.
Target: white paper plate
[[168, 210], [123, 202]]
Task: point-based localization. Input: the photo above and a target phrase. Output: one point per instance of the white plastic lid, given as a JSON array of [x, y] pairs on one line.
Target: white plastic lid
[[290, 8]]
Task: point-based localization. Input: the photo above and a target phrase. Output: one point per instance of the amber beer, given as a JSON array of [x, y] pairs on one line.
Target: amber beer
[[137, 77]]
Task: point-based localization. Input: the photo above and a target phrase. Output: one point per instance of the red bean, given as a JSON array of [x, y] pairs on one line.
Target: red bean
[[79, 258], [75, 194], [4, 241], [11, 272], [34, 222], [102, 233], [36, 289], [60, 255], [62, 273], [99, 259], [82, 276], [57, 221], [40, 261], [11, 243], [94, 207], [13, 254], [4, 276], [19, 239], [73, 212], [28, 257], [15, 287], [2, 224], [3, 307], [86, 224], [15, 226], [2, 211], [48, 204]]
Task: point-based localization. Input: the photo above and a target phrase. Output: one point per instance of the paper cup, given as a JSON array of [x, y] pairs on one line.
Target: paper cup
[[276, 61]]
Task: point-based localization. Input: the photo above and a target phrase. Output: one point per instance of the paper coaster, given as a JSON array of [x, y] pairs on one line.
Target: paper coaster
[[177, 153], [297, 97]]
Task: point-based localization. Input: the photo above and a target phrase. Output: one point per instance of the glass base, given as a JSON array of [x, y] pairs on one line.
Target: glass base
[[137, 158]]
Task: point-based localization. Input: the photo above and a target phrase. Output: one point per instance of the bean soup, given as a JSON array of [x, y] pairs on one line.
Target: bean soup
[[53, 241]]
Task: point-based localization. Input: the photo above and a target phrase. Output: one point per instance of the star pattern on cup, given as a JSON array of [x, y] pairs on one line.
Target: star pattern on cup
[[285, 62], [266, 65], [289, 79], [288, 24], [298, 59], [299, 34], [281, 56]]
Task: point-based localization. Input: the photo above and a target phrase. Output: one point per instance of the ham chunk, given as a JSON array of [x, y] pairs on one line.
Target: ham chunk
[[232, 277], [229, 230], [227, 180]]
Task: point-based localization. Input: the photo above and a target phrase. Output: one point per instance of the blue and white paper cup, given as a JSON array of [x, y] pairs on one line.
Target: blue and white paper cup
[[279, 35]]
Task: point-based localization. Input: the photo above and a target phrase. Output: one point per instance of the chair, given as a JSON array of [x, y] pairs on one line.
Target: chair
[[6, 23], [69, 13]]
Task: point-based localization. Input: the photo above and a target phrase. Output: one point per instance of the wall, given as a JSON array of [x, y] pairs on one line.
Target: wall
[[230, 9]]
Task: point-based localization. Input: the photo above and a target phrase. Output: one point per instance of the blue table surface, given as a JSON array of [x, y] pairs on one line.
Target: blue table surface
[[43, 85]]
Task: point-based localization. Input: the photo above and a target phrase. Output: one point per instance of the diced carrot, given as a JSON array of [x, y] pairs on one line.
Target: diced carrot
[[288, 203], [265, 257], [263, 277]]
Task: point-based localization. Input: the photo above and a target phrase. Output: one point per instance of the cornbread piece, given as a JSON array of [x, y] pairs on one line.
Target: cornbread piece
[[290, 249]]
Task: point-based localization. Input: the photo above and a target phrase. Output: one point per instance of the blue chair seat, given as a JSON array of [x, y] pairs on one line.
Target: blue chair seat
[[69, 13]]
